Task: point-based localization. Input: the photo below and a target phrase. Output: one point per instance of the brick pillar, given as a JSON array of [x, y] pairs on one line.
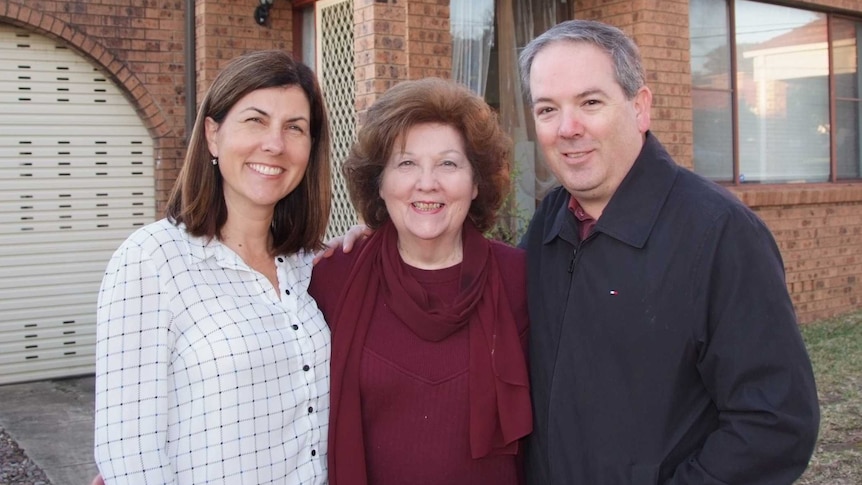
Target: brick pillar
[[429, 39], [381, 49], [398, 40]]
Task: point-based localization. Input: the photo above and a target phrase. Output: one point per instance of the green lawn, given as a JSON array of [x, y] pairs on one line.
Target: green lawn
[[835, 347]]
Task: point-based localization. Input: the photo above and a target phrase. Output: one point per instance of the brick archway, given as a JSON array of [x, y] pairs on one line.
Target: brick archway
[[56, 28], [168, 142]]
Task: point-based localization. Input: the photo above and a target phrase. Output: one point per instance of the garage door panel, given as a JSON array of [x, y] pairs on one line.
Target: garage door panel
[[37, 206], [55, 332], [32, 282], [42, 346], [72, 268], [33, 56], [64, 271], [66, 124], [61, 138], [25, 165], [36, 369], [73, 171], [62, 152], [36, 363], [40, 128], [32, 97], [69, 194], [77, 154], [30, 48], [54, 82], [49, 293], [93, 260], [73, 309], [28, 218], [67, 237], [24, 244], [24, 113], [85, 306], [27, 329], [10, 38], [26, 184], [80, 79], [59, 228], [76, 178]]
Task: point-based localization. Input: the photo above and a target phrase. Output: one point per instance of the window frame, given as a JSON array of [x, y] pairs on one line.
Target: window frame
[[832, 103]]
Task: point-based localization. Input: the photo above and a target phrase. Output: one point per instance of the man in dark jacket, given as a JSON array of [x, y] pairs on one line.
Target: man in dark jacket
[[664, 345]]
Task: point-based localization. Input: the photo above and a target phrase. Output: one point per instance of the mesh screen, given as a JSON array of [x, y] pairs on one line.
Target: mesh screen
[[336, 72]]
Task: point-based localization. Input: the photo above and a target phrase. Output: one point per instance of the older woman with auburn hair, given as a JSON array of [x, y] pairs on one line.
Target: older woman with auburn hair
[[429, 382], [212, 358]]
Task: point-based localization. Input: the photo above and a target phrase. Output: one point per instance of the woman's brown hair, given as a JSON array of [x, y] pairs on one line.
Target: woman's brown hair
[[197, 200]]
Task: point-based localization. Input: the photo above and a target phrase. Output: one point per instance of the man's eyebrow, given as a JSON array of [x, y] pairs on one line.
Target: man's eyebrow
[[584, 94]]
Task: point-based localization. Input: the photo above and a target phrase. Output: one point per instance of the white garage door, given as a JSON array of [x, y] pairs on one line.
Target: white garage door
[[76, 178]]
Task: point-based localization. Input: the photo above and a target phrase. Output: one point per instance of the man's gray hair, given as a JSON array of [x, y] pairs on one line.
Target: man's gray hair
[[624, 53]]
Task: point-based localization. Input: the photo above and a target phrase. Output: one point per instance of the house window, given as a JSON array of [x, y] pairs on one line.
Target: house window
[[304, 32], [307, 46], [775, 93], [846, 56]]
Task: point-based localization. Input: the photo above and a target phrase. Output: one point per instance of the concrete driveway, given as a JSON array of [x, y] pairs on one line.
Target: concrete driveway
[[52, 421]]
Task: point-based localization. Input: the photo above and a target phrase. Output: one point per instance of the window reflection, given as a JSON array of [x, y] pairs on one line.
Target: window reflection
[[848, 131], [711, 90], [787, 125], [783, 101]]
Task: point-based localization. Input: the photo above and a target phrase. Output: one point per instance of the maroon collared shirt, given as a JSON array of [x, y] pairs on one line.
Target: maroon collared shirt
[[587, 223]]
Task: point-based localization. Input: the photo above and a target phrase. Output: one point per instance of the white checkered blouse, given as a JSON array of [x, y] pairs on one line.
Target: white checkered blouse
[[204, 374]]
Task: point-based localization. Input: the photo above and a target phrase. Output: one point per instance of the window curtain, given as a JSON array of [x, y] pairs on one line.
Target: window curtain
[[519, 22], [472, 26]]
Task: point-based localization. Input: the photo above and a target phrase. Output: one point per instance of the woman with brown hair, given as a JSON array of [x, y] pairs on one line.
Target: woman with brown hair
[[212, 358], [428, 317]]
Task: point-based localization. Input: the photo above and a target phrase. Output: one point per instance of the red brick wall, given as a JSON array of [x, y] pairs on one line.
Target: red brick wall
[[139, 43], [818, 229], [429, 40], [398, 40], [381, 53], [226, 29], [849, 6]]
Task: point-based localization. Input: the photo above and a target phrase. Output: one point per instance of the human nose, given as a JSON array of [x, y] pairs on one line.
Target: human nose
[[570, 125], [427, 179], [273, 141]]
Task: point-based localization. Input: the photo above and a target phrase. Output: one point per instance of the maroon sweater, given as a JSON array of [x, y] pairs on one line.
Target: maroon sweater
[[415, 409]]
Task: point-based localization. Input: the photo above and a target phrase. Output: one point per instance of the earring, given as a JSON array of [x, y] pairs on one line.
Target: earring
[[215, 160]]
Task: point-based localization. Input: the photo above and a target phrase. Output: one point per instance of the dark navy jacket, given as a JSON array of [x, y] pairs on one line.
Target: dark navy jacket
[[664, 348]]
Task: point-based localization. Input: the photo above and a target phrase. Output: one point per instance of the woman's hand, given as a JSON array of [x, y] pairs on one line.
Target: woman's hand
[[345, 242]]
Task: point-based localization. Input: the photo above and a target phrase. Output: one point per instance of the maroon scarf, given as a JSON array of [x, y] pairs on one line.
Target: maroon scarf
[[500, 411]]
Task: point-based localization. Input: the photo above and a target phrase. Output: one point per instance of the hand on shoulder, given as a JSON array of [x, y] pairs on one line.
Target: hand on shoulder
[[346, 241]]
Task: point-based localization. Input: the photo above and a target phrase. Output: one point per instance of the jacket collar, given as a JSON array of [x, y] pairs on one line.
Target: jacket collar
[[635, 206]]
